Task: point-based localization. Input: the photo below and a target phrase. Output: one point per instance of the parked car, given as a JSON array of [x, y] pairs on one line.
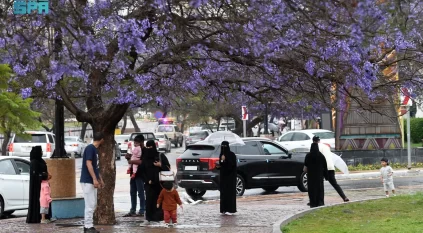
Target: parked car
[[21, 145], [164, 142], [75, 145], [147, 136], [122, 140], [195, 137], [301, 140], [173, 133], [14, 184], [261, 164]]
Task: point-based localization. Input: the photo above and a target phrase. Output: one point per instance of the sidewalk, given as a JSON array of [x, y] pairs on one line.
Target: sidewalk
[[255, 214], [376, 174]]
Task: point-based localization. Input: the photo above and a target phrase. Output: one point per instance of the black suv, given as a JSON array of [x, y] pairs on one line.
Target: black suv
[[261, 164]]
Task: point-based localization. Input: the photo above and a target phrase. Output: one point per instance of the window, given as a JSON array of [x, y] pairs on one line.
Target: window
[[50, 138], [31, 138], [201, 134], [250, 148], [325, 135], [300, 137], [272, 149], [285, 138], [22, 166], [6, 167]]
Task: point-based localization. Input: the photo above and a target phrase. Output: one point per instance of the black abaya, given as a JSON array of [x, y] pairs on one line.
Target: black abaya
[[38, 172], [151, 173], [316, 171], [228, 182]]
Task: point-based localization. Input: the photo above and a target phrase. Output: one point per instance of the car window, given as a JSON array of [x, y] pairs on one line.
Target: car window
[[285, 138], [300, 137], [7, 168], [160, 135], [34, 138], [202, 151], [325, 135], [271, 149], [165, 128], [147, 136], [50, 138], [250, 148], [70, 139], [202, 134], [22, 166]]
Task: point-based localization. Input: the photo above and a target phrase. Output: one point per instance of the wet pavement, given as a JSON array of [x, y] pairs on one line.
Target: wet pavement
[[256, 214]]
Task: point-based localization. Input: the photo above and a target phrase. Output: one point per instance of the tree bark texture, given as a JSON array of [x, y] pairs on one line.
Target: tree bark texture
[[134, 122], [125, 120], [83, 131], [5, 142]]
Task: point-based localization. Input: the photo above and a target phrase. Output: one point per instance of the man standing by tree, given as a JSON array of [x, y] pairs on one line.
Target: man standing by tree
[[91, 180]]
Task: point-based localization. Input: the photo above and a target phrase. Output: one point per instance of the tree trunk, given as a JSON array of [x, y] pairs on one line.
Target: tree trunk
[[6, 139], [134, 122], [125, 119], [250, 125], [105, 212], [83, 131]]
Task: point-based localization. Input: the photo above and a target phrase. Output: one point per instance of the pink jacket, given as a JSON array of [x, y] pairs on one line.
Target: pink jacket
[[45, 197]]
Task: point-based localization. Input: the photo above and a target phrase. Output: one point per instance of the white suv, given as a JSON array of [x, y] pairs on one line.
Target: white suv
[[22, 146], [173, 133]]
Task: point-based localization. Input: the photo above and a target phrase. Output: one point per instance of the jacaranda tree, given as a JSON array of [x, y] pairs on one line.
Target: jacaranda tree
[[106, 55]]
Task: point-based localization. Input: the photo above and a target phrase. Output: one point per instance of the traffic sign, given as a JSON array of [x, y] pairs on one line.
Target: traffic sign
[[244, 113]]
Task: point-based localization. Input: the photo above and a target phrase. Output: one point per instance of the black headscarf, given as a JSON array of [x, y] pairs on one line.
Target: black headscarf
[[151, 150], [36, 153], [224, 148], [314, 148]]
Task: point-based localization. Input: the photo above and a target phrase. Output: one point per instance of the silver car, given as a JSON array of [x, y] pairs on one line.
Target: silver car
[[22, 145], [122, 140], [163, 142]]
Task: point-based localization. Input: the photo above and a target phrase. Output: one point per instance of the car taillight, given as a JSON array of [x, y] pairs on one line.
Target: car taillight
[[157, 144], [177, 162], [48, 147], [212, 162], [10, 147], [74, 145]]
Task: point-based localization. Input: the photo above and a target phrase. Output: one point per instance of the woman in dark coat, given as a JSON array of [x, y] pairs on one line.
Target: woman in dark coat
[[38, 172], [152, 163], [227, 162], [316, 168]]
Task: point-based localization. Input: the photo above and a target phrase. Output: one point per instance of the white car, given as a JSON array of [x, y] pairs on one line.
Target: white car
[[22, 145], [300, 141], [14, 184], [122, 140], [164, 142], [74, 145]]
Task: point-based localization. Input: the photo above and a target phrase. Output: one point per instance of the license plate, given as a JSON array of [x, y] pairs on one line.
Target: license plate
[[191, 168]]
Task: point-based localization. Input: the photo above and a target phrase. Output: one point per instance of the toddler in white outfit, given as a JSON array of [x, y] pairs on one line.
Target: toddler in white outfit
[[386, 176]]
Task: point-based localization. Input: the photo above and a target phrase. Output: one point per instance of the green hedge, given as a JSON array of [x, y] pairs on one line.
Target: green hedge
[[416, 127]]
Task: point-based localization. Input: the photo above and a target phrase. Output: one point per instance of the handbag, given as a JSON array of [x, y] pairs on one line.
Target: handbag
[[166, 175]]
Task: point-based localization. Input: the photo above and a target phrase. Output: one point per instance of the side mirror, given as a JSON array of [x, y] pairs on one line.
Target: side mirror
[[289, 155]]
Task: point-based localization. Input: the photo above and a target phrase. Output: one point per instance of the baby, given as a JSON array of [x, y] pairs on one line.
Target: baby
[[136, 155]]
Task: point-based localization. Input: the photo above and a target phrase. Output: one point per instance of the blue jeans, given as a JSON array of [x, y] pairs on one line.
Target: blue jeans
[[137, 185]]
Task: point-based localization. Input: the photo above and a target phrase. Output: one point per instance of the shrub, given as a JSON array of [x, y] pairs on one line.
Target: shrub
[[416, 127], [369, 167]]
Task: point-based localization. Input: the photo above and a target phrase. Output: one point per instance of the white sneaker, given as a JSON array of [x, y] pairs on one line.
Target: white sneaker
[[196, 202], [387, 195], [145, 223], [227, 213], [167, 225], [394, 195], [175, 224]]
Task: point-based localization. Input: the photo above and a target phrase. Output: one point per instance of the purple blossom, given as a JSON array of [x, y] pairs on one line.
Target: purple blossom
[[26, 92]]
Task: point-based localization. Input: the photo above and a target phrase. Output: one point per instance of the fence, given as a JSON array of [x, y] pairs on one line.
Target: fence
[[366, 157]]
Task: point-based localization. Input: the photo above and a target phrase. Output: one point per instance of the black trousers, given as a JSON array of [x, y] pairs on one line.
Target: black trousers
[[335, 185]]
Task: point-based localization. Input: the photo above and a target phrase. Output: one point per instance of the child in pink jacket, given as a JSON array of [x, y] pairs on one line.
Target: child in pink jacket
[[45, 199]]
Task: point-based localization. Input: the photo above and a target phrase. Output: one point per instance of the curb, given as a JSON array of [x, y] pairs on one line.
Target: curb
[[373, 175], [284, 221]]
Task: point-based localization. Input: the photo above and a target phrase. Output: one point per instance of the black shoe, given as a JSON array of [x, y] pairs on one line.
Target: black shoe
[[90, 230], [308, 204], [346, 200]]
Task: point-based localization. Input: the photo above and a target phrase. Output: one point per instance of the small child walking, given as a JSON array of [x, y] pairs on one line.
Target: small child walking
[[169, 199], [136, 155], [386, 176], [45, 199]]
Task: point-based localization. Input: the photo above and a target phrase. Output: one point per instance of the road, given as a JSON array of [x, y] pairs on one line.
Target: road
[[122, 199]]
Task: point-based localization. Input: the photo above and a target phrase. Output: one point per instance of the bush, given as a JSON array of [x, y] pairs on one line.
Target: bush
[[416, 127], [369, 167]]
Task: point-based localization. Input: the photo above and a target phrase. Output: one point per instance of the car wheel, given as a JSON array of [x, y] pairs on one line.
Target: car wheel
[[8, 213], [270, 189], [195, 193], [303, 185], [1, 207], [240, 185]]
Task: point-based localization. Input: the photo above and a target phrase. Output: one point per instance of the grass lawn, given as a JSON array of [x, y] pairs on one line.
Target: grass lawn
[[401, 214]]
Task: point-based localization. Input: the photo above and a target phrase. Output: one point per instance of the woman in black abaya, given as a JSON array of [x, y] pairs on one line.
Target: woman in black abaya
[[152, 163], [38, 172], [316, 168], [227, 162]]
